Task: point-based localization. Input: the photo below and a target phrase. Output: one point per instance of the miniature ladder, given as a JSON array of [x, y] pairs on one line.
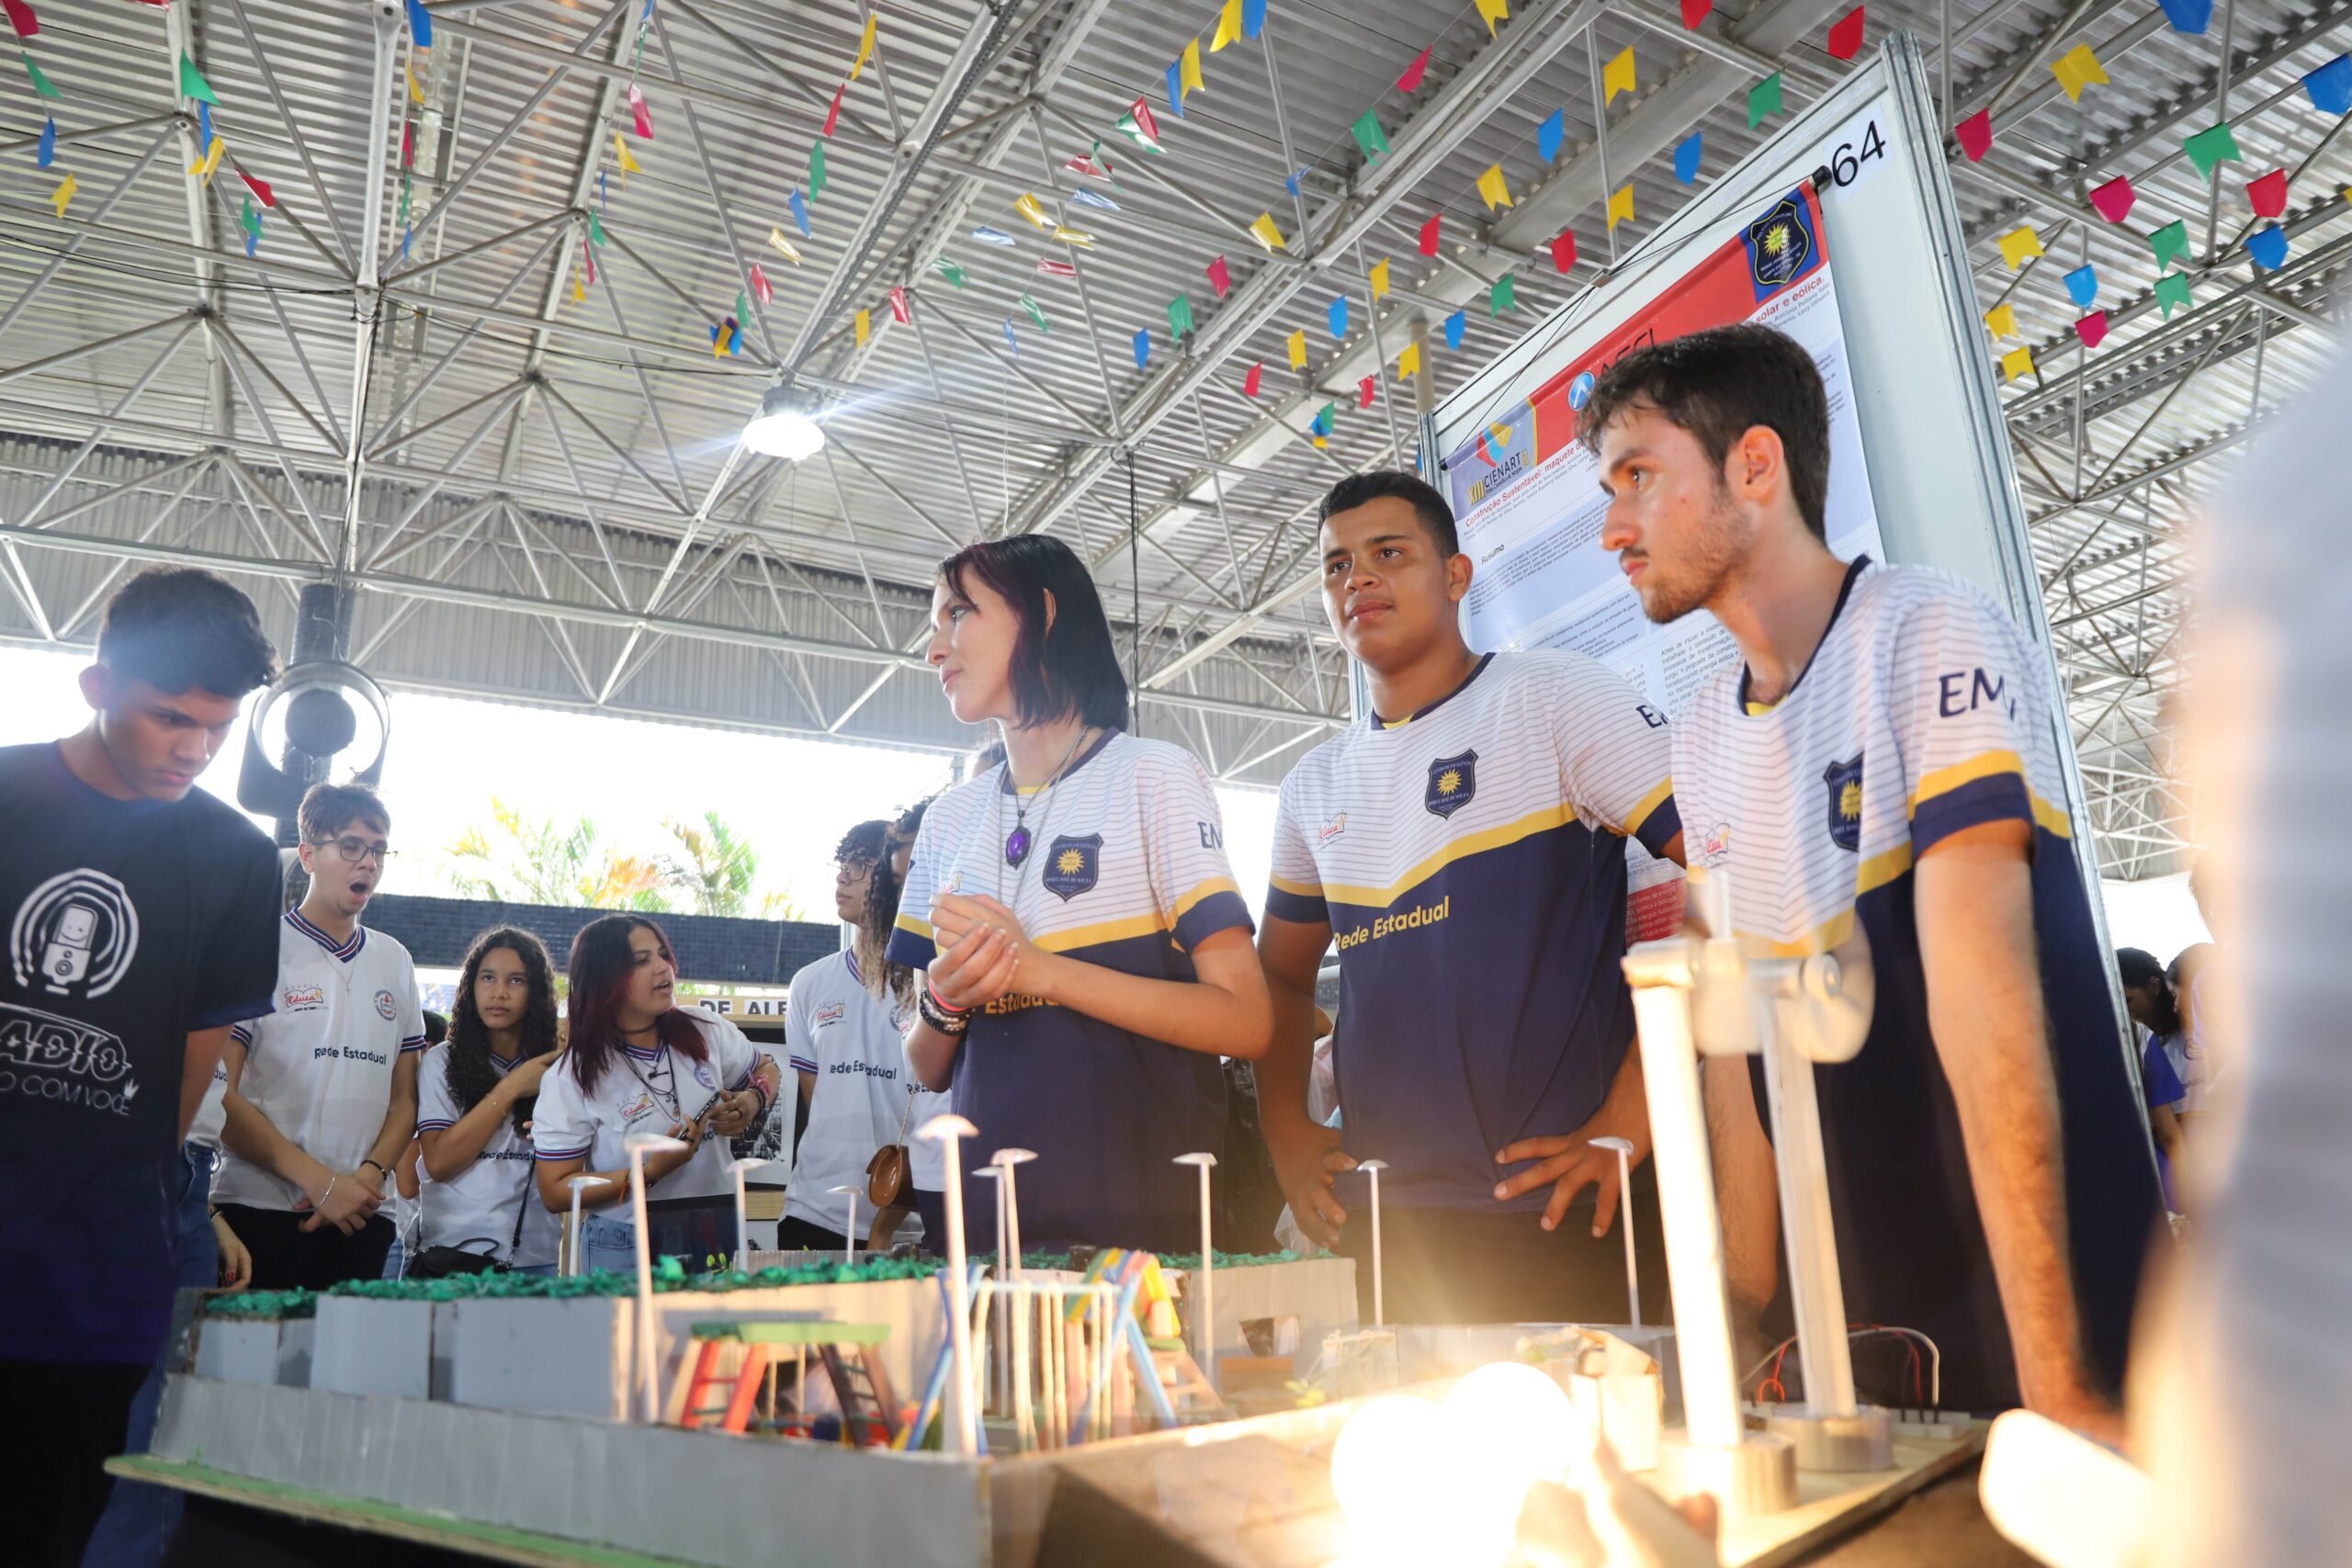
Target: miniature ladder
[[860, 1384]]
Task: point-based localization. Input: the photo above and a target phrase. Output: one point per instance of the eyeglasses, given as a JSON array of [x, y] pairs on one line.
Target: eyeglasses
[[855, 866], [356, 850]]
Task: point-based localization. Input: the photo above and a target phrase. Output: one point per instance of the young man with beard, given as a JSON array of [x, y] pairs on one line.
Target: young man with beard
[[1464, 844], [323, 1092], [1883, 761], [139, 912]]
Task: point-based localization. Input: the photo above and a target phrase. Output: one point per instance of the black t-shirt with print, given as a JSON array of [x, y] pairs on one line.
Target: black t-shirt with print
[[129, 924]]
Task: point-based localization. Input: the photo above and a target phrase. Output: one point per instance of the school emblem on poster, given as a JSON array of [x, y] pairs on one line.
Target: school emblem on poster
[[385, 1006], [75, 935], [1452, 781], [1779, 245], [1073, 865], [1845, 783]]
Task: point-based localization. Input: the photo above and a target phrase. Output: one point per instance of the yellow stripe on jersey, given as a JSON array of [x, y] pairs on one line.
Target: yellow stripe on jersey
[[2052, 821], [1096, 935], [1296, 889], [1647, 804], [1871, 875], [1469, 845], [1984, 765], [919, 928], [1213, 884]]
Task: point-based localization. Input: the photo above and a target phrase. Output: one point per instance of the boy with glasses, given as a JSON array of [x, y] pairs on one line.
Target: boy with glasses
[[323, 1092]]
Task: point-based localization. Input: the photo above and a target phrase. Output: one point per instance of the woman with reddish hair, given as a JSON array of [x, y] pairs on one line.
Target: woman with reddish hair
[[638, 1063]]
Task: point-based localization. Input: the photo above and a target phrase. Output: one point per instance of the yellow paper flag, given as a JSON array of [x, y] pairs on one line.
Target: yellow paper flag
[[1297, 338], [1621, 205], [1072, 237], [2001, 320], [865, 53], [578, 293], [211, 161], [784, 246], [1191, 67], [1380, 281], [628, 165], [1409, 362], [1265, 233], [1490, 184], [415, 91], [864, 318], [1029, 208], [2076, 69], [1494, 11], [64, 193], [1229, 25], [2019, 244], [1617, 76], [2017, 362]]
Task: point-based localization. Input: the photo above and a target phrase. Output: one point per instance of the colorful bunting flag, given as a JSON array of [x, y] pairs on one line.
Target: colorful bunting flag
[[2188, 15], [625, 160], [2210, 148], [1379, 276], [595, 228], [1763, 100], [1290, 182], [211, 160], [1411, 82], [1504, 294], [998, 237], [1143, 349], [899, 311], [1549, 134], [2019, 244], [1179, 316], [2172, 292], [1369, 136], [1011, 342], [42, 83], [1191, 61], [1564, 250], [578, 293], [260, 188], [2269, 194], [1686, 159], [1249, 382], [2082, 285], [1054, 266], [1035, 313], [2001, 320], [1974, 134], [204, 132], [1264, 231], [1029, 207], [192, 82], [1326, 419], [1296, 343], [1846, 35], [2169, 241], [864, 324], [865, 49], [2267, 246], [1617, 76], [1408, 362], [2092, 329], [1229, 25], [415, 87], [950, 271], [1338, 316], [2113, 199], [1621, 205], [63, 195], [1088, 164], [1253, 17], [2076, 69], [1220, 277], [784, 246], [420, 24], [760, 285], [833, 113], [1430, 234], [1455, 325], [588, 261], [640, 113], [45, 151], [1136, 126], [250, 221], [799, 205], [2017, 362], [21, 17], [816, 169], [2330, 85], [1493, 11], [1694, 12], [1364, 390], [1492, 189], [1085, 197]]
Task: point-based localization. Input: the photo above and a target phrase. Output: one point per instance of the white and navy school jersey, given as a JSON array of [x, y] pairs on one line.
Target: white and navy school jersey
[[646, 1091], [853, 1044], [481, 1202], [1470, 860], [1126, 868], [1923, 711], [319, 1066]]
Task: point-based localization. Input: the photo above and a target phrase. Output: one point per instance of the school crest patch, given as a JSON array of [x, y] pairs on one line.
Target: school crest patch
[[1844, 781], [1452, 782], [1073, 865]]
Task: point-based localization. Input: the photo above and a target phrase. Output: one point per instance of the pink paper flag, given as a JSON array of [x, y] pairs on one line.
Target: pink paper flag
[[1365, 389], [2092, 329], [1694, 12], [408, 144], [2113, 199], [1975, 134], [1411, 82], [835, 112], [2269, 194], [1219, 278], [1846, 35], [1249, 382], [898, 306], [1429, 234], [644, 115], [590, 257], [760, 285], [1564, 250]]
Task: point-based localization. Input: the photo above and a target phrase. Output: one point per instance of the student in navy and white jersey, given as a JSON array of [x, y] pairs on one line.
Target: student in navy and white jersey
[[1466, 844], [635, 1061], [1884, 762], [321, 1094], [1088, 951], [475, 1099]]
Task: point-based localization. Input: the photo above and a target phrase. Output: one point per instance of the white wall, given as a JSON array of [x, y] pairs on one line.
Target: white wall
[[2156, 914]]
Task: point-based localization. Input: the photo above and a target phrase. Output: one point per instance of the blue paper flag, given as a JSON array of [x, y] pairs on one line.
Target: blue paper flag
[[799, 214], [2082, 285], [1454, 326], [1548, 134], [988, 236], [1085, 197], [2269, 248], [1143, 348], [1322, 422], [48, 149], [1253, 17], [2331, 85], [1010, 339], [1339, 316], [420, 24], [1686, 159], [203, 127], [1176, 89], [2189, 16], [406, 235], [1291, 182]]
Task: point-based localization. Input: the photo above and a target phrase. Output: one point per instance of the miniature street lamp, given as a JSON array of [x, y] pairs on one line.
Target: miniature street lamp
[[1010, 1201], [1205, 1309], [849, 1252], [963, 1407], [1625, 1222], [1373, 1167], [640, 1145], [577, 1183], [744, 1168]]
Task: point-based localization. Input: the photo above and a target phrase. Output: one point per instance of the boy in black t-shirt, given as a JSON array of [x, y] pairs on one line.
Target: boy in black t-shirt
[[141, 923]]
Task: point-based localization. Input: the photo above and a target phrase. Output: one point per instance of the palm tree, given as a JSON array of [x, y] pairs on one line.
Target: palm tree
[[531, 861], [717, 869]]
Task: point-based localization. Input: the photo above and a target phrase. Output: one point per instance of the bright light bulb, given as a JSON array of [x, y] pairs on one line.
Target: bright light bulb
[[1399, 1476], [780, 430], [1520, 1425]]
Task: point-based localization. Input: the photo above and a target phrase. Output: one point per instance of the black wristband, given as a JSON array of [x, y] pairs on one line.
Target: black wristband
[[936, 1013]]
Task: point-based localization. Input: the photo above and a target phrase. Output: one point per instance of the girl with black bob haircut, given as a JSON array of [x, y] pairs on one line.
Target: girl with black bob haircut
[[475, 1097], [1085, 954]]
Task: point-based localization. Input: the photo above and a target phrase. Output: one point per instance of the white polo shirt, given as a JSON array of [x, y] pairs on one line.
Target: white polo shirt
[[646, 1091], [320, 1064], [854, 1043], [479, 1204]]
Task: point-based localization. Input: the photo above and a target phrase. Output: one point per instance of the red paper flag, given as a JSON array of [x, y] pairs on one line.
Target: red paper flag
[[259, 187], [590, 257], [408, 144], [761, 287], [1975, 134], [21, 17], [1846, 35], [1363, 392], [1249, 382], [1694, 12], [1411, 82], [1429, 234], [1564, 250], [898, 306], [1219, 278], [2092, 329], [2113, 199], [2269, 194], [636, 107], [835, 112]]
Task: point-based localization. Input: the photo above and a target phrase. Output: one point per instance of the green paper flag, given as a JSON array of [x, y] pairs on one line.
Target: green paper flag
[[950, 271], [1036, 314], [2172, 289], [1503, 295], [250, 220], [2169, 242], [2210, 148], [815, 167], [595, 230], [41, 85], [1179, 315], [192, 82], [1369, 136], [1763, 100], [742, 307]]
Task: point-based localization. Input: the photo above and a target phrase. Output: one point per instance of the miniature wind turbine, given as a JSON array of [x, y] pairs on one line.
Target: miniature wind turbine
[[640, 1145], [1625, 1222], [577, 1183], [963, 1408], [1205, 1308], [1373, 1167]]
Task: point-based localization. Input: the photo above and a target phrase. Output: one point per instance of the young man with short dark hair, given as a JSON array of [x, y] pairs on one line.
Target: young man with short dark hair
[[1883, 761], [139, 913], [323, 1091], [1464, 844]]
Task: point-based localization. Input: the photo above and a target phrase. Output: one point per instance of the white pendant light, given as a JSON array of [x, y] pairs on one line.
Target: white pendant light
[[782, 430]]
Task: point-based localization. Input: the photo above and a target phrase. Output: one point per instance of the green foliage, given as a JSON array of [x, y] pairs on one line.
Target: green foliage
[[713, 869]]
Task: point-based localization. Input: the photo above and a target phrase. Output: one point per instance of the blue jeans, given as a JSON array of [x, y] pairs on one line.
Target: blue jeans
[[693, 1237], [139, 1522]]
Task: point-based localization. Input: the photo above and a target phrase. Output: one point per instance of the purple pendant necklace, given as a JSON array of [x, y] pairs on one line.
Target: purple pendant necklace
[[1017, 842]]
